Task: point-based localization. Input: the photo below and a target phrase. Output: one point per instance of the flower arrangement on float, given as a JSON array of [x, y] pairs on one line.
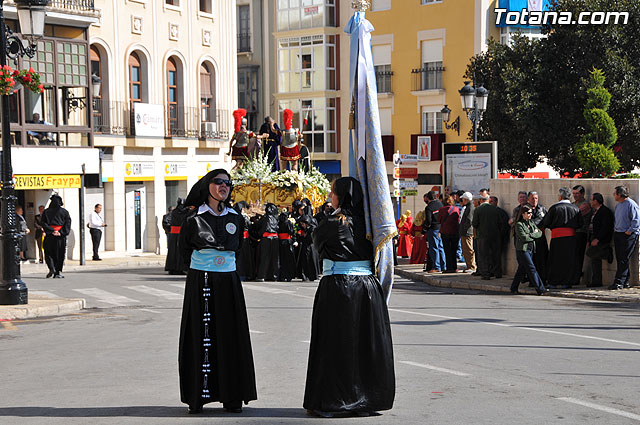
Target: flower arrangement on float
[[254, 182], [10, 78]]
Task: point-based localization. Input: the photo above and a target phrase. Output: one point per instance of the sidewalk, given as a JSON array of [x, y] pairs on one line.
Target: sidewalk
[[466, 281], [41, 306]]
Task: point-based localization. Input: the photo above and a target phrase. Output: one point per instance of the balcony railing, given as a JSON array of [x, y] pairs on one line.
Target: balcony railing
[[116, 118], [244, 42], [74, 5], [429, 77], [383, 81]]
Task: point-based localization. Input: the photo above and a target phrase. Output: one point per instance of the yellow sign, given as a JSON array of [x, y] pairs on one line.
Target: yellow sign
[[52, 181]]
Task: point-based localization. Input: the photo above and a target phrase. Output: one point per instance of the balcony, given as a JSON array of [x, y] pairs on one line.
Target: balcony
[[429, 77], [116, 118], [244, 42], [73, 5], [383, 81]]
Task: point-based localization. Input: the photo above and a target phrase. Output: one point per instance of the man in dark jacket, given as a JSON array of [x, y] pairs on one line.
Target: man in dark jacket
[[486, 222], [600, 235], [503, 241], [466, 232], [56, 223], [431, 227]]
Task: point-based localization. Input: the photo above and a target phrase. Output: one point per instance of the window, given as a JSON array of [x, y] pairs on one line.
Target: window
[[207, 93], [248, 95], [244, 28], [383, 78], [172, 95], [172, 2], [307, 64], [205, 6], [135, 78], [431, 1], [431, 71], [507, 33], [297, 14], [431, 122], [316, 118], [377, 5]]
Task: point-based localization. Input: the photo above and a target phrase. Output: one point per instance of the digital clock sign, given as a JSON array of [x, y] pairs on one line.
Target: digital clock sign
[[469, 166]]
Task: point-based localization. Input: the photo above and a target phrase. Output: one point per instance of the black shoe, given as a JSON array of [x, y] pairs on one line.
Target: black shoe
[[542, 291], [193, 410], [614, 287], [49, 275], [233, 407], [58, 276], [97, 259], [514, 291]]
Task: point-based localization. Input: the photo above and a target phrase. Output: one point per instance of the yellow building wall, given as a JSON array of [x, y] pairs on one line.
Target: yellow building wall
[[459, 21]]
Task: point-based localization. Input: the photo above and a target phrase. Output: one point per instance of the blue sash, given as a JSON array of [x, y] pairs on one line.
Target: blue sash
[[359, 268], [212, 260]]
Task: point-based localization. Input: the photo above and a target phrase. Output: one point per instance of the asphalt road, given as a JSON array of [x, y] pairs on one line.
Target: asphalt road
[[461, 357]]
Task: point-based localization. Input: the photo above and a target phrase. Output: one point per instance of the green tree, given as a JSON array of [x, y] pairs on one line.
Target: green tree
[[538, 90], [594, 153]]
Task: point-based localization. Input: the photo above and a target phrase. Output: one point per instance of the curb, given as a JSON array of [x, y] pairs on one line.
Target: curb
[[487, 287], [42, 307]]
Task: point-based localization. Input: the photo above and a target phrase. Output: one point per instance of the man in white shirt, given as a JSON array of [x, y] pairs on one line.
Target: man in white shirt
[[96, 223]]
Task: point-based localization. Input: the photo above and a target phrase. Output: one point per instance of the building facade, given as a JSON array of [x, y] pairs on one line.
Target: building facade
[[138, 97]]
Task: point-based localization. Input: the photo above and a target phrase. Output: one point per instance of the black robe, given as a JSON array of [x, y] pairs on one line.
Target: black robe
[[174, 263], [562, 260], [307, 263], [351, 353], [246, 261], [215, 359], [268, 248], [55, 246], [287, 256]]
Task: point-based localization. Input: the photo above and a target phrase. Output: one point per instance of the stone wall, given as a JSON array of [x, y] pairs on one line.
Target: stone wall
[[507, 192]]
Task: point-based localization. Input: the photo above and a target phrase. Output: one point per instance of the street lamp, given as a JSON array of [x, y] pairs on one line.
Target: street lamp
[[455, 125], [31, 14], [474, 103]]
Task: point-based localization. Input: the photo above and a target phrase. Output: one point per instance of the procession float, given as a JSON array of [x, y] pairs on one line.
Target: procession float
[[255, 183]]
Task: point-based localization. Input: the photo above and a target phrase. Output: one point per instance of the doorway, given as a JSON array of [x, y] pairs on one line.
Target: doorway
[[136, 212]]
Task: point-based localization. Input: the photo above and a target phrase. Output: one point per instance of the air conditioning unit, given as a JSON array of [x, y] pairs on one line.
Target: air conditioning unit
[[208, 129]]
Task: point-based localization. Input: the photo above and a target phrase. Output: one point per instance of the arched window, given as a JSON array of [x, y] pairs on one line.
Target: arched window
[[135, 78], [207, 93], [172, 95]]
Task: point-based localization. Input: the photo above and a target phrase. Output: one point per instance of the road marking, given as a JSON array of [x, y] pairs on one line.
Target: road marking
[[156, 292], [8, 326], [266, 289], [44, 293], [503, 325], [255, 332], [439, 369], [306, 342], [150, 311], [601, 408], [107, 297]]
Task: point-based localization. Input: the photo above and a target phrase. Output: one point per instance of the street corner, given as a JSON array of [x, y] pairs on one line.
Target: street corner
[[41, 306]]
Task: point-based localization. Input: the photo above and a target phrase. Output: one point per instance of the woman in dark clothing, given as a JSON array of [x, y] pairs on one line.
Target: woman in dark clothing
[[174, 263], [351, 354], [307, 265], [269, 259], [246, 264], [287, 257], [215, 359], [526, 233], [449, 219]]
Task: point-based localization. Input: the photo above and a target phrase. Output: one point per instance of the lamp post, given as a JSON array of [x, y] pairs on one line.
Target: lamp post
[[31, 15], [455, 125], [474, 103]]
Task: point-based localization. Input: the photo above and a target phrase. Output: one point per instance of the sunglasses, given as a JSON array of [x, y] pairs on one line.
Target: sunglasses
[[219, 181]]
